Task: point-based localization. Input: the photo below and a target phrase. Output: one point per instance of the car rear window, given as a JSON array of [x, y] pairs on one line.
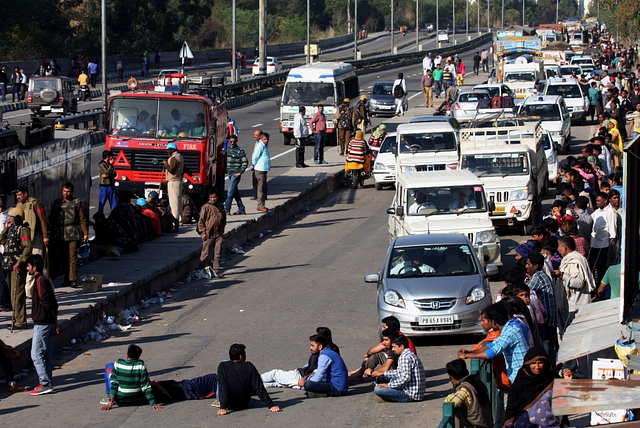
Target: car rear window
[[473, 97]]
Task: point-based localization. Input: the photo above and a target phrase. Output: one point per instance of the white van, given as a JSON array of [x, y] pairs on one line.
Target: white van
[[511, 163], [311, 85], [522, 78], [553, 115], [570, 90], [427, 146], [443, 36], [444, 202]]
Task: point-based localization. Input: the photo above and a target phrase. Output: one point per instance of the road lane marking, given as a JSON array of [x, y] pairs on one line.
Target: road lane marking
[[282, 154], [414, 95], [277, 118], [369, 87], [95, 177], [257, 124]]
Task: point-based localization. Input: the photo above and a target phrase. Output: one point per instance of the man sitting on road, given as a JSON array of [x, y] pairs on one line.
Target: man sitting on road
[[198, 388], [407, 382], [379, 362], [238, 380], [470, 397], [330, 378]]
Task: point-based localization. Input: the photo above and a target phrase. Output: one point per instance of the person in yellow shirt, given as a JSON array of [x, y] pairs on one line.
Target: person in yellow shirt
[[83, 79]]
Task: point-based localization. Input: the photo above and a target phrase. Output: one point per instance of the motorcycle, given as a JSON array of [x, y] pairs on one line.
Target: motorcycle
[[83, 93], [358, 172]]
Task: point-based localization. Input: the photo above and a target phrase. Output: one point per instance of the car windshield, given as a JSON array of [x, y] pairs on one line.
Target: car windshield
[[543, 111], [522, 76], [492, 164], [432, 260], [581, 61], [39, 85], [472, 97], [565, 91], [428, 142], [566, 71], [388, 144], [382, 88], [546, 141], [157, 118], [309, 94], [493, 91], [445, 200]]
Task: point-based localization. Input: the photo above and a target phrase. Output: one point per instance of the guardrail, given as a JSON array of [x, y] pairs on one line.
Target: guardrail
[[448, 416], [93, 118]]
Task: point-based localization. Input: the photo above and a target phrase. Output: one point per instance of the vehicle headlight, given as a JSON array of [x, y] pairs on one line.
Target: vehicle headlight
[[486, 237], [519, 195], [391, 297], [379, 165], [552, 158], [476, 294], [556, 133], [581, 108], [373, 102], [407, 168]]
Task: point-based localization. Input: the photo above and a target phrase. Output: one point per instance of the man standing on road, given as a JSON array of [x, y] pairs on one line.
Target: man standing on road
[[44, 312], [300, 133], [399, 92], [261, 160], [542, 284], [4, 81], [107, 181], [437, 78], [69, 228], [344, 119], [427, 63], [238, 380], [174, 168], [330, 378], [34, 215], [484, 58], [211, 224], [257, 136], [476, 63], [427, 87], [407, 383], [93, 73], [236, 166], [16, 240], [318, 125]]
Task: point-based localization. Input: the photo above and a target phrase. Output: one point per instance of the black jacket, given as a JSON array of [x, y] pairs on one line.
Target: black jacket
[[44, 306]]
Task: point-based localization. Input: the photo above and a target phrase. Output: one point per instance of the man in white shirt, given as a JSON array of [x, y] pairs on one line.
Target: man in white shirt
[[139, 122], [399, 100], [421, 202], [437, 60], [300, 133], [604, 231], [412, 262], [427, 63], [179, 121]]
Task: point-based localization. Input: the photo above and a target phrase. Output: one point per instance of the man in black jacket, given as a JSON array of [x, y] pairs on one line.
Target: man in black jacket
[[238, 380], [44, 312]]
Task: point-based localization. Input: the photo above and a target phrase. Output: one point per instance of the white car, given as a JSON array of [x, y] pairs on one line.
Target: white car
[[273, 66], [466, 106], [552, 111], [585, 62], [384, 167], [443, 36], [571, 91], [551, 152]]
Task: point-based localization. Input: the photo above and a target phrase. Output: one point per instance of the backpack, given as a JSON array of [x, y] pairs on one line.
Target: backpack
[[346, 117], [398, 92]]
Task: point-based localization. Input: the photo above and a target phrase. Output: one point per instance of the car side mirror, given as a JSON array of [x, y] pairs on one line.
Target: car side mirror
[[491, 270], [492, 206], [400, 211], [278, 102], [372, 278], [394, 150]]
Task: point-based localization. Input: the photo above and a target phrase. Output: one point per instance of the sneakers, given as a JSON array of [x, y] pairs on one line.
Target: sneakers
[[239, 212], [13, 387], [379, 399], [316, 161], [105, 400], [216, 274], [215, 403], [41, 389], [263, 209], [207, 273], [324, 162], [316, 395]]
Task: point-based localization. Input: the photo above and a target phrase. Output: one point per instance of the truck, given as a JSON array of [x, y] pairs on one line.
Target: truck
[[140, 124], [518, 61], [522, 78], [511, 163], [311, 85], [426, 146], [444, 202]]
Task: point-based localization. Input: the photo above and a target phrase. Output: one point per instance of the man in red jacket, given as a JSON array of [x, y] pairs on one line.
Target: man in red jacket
[[44, 312]]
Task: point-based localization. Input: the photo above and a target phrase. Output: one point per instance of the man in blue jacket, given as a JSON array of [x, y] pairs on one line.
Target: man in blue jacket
[[330, 378]]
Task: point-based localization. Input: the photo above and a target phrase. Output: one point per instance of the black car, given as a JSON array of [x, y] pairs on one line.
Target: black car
[[382, 101]]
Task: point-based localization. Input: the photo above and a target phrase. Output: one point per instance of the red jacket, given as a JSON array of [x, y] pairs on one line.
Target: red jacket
[[44, 305]]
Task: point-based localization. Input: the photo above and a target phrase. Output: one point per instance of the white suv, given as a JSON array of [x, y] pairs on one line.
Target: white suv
[[575, 98], [553, 115], [585, 62]]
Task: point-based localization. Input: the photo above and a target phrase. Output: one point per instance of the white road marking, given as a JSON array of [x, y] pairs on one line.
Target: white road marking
[[277, 118], [95, 177], [369, 87], [283, 153], [257, 124], [414, 95]]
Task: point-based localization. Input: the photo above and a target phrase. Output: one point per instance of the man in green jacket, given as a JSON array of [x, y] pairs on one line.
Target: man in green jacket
[[107, 174], [211, 224], [236, 165]]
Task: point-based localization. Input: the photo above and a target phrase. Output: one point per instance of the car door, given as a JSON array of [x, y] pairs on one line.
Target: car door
[[566, 120]]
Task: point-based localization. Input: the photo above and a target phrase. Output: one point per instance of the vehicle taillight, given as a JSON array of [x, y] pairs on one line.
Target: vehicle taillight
[[30, 98], [270, 65], [61, 98], [458, 107]]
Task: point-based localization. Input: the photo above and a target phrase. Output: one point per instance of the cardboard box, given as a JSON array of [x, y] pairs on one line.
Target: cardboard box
[[91, 283]]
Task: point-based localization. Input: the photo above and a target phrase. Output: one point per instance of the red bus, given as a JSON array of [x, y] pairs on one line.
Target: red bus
[[140, 124]]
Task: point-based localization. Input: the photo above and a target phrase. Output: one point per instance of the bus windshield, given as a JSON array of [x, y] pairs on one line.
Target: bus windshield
[[309, 94], [158, 118]]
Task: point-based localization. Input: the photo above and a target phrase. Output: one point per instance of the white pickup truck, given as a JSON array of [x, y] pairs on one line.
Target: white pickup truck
[[428, 146], [521, 78], [445, 202], [511, 163]]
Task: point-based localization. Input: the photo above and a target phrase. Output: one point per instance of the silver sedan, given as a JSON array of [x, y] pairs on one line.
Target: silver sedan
[[465, 107]]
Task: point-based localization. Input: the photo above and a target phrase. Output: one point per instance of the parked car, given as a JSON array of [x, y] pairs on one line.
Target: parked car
[[273, 66], [434, 284], [575, 97], [566, 70], [384, 167], [465, 107], [51, 94], [382, 101], [585, 62], [552, 111]]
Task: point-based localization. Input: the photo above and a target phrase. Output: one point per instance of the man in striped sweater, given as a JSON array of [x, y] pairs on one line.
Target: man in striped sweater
[[130, 382]]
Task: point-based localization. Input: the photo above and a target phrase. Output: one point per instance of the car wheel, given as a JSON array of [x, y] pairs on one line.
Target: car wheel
[[378, 186], [355, 179], [287, 139]]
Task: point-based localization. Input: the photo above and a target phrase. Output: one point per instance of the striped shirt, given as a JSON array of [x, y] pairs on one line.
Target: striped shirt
[[513, 344], [130, 383], [409, 376], [543, 286]]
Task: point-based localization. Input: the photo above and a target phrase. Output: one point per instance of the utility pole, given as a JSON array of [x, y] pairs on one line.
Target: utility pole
[[502, 19], [467, 32], [262, 34], [392, 27], [454, 21], [488, 26], [417, 30], [103, 9], [356, 32], [234, 61], [523, 10], [437, 24], [478, 7], [308, 35]]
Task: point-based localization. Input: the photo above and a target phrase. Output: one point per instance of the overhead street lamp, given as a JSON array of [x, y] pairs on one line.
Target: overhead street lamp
[[356, 32], [454, 21], [392, 27], [308, 36], [417, 30]]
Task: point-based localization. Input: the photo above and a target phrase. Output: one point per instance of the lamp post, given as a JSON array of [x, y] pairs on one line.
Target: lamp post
[[478, 7], [488, 28], [557, 7], [355, 31], [392, 27], [467, 27], [103, 10], [417, 30], [234, 62], [308, 35], [502, 16], [454, 21], [437, 24], [523, 9], [262, 37]]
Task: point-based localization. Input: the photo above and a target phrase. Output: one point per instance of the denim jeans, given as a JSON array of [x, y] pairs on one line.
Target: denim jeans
[[318, 150], [438, 87], [3, 92], [108, 370], [107, 193], [42, 352], [322, 388], [391, 394], [281, 379], [233, 193]]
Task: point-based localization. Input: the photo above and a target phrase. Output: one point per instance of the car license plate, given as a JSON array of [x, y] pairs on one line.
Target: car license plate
[[499, 209], [147, 191], [45, 108], [435, 320], [57, 110], [386, 107]]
